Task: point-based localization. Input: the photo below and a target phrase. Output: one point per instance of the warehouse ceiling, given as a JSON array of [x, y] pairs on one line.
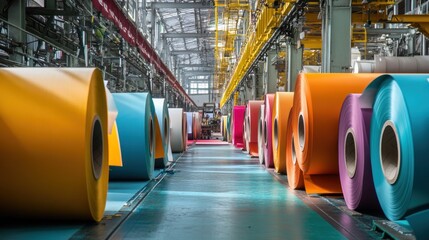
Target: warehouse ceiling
[[189, 32]]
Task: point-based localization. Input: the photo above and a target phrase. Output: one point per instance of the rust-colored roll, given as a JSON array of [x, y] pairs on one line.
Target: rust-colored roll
[[317, 102], [251, 121], [53, 144], [295, 177], [283, 102]]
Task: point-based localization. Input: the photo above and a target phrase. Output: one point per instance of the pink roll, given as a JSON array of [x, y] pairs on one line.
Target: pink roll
[[237, 125], [354, 155], [268, 151], [252, 117]]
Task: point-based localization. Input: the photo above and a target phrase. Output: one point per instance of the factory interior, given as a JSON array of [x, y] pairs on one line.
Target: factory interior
[[214, 119]]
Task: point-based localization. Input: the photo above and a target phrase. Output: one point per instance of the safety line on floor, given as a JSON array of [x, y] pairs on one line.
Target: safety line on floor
[[111, 223], [330, 213]]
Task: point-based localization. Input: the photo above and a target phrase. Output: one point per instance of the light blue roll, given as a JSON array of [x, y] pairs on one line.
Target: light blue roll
[[399, 143], [136, 133]]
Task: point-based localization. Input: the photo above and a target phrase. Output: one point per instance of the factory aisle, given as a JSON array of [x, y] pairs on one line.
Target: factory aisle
[[217, 192]]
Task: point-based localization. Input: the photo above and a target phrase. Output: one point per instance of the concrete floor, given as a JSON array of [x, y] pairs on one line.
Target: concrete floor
[[218, 192]]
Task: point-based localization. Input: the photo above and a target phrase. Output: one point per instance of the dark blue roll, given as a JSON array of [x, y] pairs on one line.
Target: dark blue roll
[[136, 132]]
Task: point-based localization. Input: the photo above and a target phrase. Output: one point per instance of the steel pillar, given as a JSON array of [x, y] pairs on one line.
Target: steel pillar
[[336, 24]]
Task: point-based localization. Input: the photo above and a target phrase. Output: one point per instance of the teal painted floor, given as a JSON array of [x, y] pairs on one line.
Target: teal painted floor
[[217, 192]]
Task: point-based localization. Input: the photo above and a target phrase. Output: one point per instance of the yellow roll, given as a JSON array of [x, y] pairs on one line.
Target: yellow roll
[[115, 156], [54, 155]]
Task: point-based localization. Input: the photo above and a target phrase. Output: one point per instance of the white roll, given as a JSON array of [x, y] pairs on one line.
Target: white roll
[[407, 64], [176, 129], [422, 64], [380, 65], [364, 66], [311, 69]]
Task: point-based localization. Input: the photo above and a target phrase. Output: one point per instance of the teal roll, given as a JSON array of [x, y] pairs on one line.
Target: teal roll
[[398, 143], [136, 133], [161, 110]]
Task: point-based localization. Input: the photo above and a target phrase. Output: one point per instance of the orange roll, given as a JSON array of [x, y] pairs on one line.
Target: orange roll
[[283, 102], [317, 102], [295, 177]]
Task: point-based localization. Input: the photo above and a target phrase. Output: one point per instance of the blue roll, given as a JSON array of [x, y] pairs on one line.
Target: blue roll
[[398, 143], [136, 133]]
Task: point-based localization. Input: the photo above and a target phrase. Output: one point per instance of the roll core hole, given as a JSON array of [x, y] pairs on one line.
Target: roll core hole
[[350, 153], [97, 148], [276, 134], [390, 152], [293, 152], [301, 132], [151, 136], [260, 130]]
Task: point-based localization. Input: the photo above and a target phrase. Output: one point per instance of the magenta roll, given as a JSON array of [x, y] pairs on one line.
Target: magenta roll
[[354, 155], [237, 125], [269, 103]]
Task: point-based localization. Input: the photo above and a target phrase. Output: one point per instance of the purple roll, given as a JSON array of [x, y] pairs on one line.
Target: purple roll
[[354, 155]]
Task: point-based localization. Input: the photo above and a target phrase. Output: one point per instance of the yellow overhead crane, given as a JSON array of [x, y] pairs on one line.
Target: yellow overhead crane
[[270, 18]]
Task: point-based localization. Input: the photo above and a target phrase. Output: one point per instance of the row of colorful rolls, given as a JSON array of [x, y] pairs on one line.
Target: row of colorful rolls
[[61, 129], [362, 135]]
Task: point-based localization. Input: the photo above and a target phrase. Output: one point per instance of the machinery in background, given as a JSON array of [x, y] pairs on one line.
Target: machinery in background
[[211, 121]]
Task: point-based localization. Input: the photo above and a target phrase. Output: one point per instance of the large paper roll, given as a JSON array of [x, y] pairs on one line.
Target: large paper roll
[[237, 125], [176, 129], [283, 102], [364, 66], [136, 126], [53, 144], [261, 134], [398, 138], [268, 133], [251, 119], [317, 102], [353, 155], [295, 177], [163, 119]]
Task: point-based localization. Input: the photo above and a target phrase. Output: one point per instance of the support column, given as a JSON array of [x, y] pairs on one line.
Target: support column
[[270, 73], [336, 51], [294, 62], [153, 26], [16, 16]]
